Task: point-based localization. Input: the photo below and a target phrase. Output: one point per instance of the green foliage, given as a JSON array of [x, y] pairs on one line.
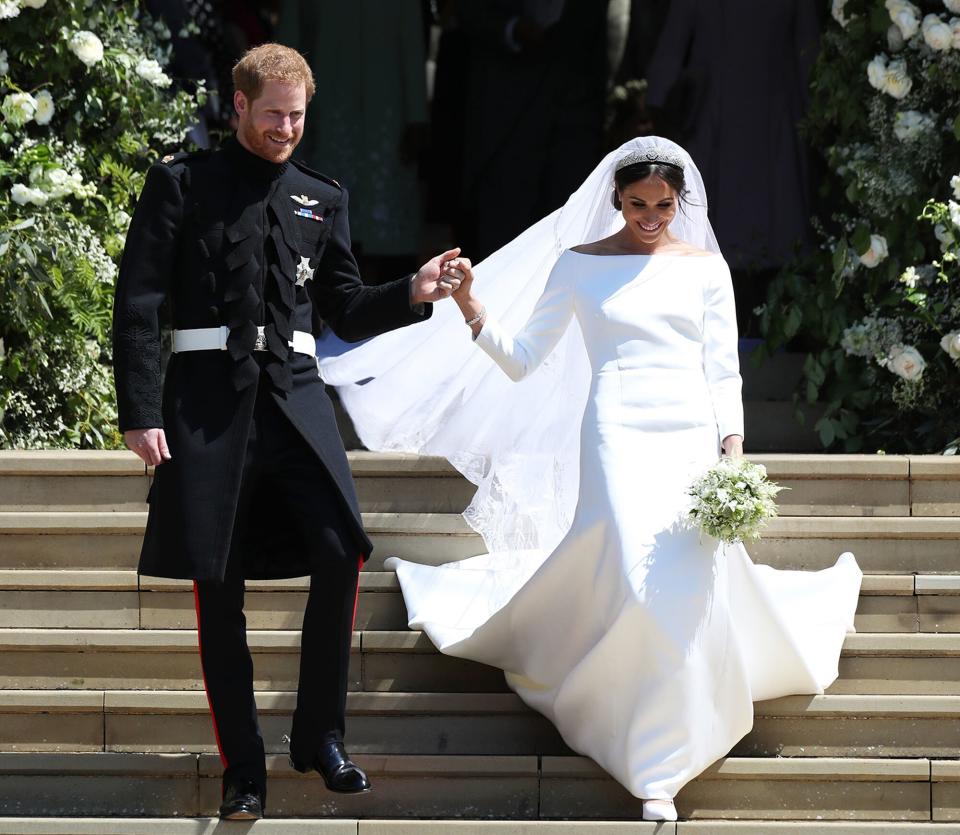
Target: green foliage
[[85, 109], [875, 305]]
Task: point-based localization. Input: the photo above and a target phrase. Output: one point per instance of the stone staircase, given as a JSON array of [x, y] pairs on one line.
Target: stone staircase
[[104, 725]]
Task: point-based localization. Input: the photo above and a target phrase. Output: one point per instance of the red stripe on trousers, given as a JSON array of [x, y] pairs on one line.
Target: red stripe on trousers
[[356, 597], [203, 672]]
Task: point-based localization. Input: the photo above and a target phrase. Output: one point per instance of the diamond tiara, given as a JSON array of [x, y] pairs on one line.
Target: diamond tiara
[[664, 157]]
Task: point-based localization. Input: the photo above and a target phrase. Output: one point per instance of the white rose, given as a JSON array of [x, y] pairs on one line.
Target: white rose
[[951, 344], [895, 38], [9, 9], [876, 253], [4, 62], [33, 4], [954, 208], [909, 124], [23, 194], [955, 28], [897, 82], [952, 6], [151, 71], [838, 13], [907, 22], [18, 108], [937, 34], [45, 108], [955, 185], [87, 47], [877, 72], [905, 361]]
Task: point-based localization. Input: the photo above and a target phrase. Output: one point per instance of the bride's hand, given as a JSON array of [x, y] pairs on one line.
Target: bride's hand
[[460, 272], [733, 446]]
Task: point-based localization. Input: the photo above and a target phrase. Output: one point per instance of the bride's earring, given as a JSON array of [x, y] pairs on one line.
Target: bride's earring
[[659, 810]]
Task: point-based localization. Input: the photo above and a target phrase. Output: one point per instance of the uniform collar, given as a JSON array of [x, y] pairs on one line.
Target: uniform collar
[[257, 167]]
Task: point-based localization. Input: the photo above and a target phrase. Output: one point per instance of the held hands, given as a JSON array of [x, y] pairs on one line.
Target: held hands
[[149, 444], [433, 281], [733, 446]]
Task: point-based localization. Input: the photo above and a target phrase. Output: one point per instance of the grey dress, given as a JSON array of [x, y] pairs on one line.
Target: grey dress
[[742, 70]]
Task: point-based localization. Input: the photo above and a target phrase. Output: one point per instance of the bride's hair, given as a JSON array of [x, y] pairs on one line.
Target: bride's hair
[[670, 174]]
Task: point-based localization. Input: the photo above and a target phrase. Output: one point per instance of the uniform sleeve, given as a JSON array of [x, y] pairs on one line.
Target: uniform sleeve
[[143, 284], [721, 359], [520, 355], [353, 310]]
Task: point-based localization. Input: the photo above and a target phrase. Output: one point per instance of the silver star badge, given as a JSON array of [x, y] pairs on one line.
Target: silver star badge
[[303, 271], [303, 200]]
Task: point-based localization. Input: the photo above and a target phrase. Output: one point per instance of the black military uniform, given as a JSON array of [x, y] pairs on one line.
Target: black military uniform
[[258, 485]]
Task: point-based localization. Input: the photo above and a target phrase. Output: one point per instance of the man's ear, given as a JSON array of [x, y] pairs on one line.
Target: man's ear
[[239, 101]]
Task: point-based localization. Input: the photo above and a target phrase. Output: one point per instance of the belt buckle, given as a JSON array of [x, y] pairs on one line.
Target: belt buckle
[[261, 342]]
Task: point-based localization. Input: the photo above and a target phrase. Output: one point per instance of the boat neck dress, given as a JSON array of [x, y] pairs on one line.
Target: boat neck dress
[[643, 640]]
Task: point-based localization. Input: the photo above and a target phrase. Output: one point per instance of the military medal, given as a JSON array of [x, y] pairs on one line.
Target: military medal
[[308, 213], [303, 271], [303, 200]]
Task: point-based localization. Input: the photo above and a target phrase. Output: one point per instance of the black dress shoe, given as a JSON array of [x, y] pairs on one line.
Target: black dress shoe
[[339, 772], [242, 802]]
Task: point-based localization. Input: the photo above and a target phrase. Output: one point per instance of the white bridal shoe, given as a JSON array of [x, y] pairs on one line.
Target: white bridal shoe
[[659, 810]]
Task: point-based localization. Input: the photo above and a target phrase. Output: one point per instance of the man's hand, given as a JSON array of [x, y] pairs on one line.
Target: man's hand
[[149, 444], [432, 283], [733, 446]]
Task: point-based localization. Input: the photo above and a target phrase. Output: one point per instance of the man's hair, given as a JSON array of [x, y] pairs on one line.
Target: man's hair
[[271, 62]]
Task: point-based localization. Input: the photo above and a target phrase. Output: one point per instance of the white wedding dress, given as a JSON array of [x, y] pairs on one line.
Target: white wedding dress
[[643, 641]]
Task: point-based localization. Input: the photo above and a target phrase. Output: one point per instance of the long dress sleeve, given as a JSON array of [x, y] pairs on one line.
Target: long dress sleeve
[[520, 355], [721, 360]]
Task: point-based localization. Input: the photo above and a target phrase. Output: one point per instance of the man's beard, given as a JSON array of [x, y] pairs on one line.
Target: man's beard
[[264, 147]]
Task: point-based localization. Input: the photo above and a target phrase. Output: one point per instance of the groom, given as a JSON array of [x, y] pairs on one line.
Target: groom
[[244, 252]]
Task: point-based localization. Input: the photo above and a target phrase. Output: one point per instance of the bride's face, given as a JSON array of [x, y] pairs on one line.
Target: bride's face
[[648, 207]]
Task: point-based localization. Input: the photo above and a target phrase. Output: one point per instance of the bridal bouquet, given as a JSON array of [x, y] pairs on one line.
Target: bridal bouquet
[[733, 500]]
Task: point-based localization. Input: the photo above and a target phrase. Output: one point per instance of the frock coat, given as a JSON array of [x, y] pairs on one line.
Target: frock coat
[[226, 238]]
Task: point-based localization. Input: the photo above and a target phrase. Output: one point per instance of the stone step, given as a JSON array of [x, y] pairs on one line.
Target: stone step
[[483, 724], [321, 826], [515, 788], [61, 598], [393, 661], [838, 485], [883, 545]]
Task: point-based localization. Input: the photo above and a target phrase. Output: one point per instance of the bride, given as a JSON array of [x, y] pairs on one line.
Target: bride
[[642, 640]]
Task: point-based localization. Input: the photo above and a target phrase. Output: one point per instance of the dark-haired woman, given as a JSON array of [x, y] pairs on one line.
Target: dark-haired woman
[[644, 641]]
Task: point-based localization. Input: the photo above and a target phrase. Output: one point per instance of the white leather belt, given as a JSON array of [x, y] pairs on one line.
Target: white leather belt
[[215, 339]]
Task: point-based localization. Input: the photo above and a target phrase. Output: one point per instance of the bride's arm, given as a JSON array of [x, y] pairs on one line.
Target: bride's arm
[[518, 355], [721, 360]]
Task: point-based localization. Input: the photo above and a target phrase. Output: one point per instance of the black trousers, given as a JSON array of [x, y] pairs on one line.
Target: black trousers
[[278, 459]]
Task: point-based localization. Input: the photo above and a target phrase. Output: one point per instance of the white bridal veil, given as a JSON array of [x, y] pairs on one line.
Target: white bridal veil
[[428, 389]]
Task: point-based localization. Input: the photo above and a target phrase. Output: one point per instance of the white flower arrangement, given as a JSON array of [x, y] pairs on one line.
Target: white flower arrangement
[[733, 500], [87, 47], [951, 344], [906, 362], [876, 253], [151, 71], [909, 125], [937, 34]]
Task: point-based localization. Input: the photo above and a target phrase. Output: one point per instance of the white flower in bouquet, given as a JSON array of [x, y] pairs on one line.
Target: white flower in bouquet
[[951, 344], [877, 72], [895, 40], [906, 16], [909, 124], [23, 194], [954, 209], [876, 253], [837, 10], [937, 34], [955, 185], [952, 6], [910, 278], [45, 108], [897, 82], [9, 9], [906, 361], [18, 108], [87, 47], [4, 62], [151, 71], [733, 500]]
